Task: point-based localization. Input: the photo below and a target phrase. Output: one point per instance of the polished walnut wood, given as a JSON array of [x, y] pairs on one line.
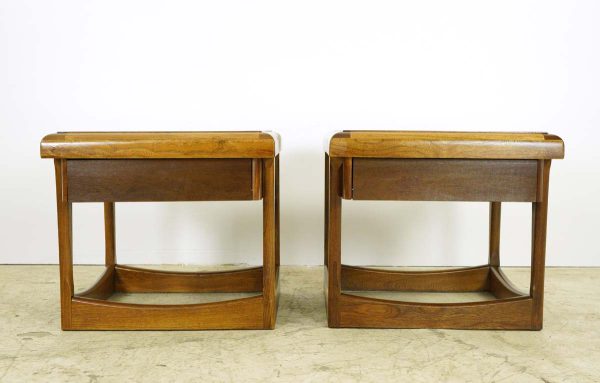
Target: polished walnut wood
[[104, 287], [155, 180], [110, 256], [507, 314], [438, 166], [333, 254], [501, 287], [130, 279], [94, 314], [270, 269], [538, 251], [443, 180], [494, 236], [413, 144], [256, 178], [453, 280], [106, 145], [95, 167], [65, 242]]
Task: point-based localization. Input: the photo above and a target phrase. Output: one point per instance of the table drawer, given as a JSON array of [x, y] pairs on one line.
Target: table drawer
[[444, 179], [161, 180]]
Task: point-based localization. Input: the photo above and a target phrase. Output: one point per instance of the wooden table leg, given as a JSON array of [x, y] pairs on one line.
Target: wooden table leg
[[495, 215], [538, 251], [277, 236], [269, 234], [277, 220], [334, 239], [326, 212], [110, 258], [65, 243]]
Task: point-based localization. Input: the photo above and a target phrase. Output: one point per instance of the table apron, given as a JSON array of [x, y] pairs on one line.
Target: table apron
[[444, 179], [148, 180]]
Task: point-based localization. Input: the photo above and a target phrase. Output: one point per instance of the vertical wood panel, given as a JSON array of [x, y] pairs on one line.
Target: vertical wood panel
[[277, 219], [334, 238], [269, 265], [326, 212], [65, 242], [110, 257], [495, 219], [347, 178], [538, 251], [256, 178]]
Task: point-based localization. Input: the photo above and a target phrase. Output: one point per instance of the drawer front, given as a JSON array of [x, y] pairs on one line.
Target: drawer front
[[160, 180], [444, 179]]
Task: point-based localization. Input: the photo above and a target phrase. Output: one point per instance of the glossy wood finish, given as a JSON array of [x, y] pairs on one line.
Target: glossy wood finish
[[65, 242], [277, 214], [256, 178], [110, 257], [508, 314], [128, 145], [130, 279], [95, 314], [104, 286], [538, 251], [161, 180], [117, 180], [89, 307], [442, 180], [414, 144], [452, 280], [348, 183], [326, 211], [500, 285], [438, 166], [494, 237], [269, 244], [334, 241]]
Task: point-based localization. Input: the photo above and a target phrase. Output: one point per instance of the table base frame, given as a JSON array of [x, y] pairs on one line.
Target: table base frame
[[511, 309], [91, 309]]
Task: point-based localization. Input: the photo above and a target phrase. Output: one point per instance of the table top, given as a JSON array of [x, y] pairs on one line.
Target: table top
[[423, 144], [216, 144]]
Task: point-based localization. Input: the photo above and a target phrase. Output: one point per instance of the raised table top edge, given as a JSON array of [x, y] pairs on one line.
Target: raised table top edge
[[442, 144], [120, 145]]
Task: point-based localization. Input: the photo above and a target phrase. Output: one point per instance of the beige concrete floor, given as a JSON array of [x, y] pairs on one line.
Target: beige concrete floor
[[301, 348]]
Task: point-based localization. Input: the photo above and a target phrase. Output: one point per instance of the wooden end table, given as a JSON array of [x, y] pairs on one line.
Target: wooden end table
[[437, 166], [166, 166]]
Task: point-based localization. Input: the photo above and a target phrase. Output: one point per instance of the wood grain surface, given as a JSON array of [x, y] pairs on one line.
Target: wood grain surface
[[131, 279], [443, 180], [451, 280], [222, 179], [438, 166], [420, 144], [160, 145], [95, 314], [151, 166]]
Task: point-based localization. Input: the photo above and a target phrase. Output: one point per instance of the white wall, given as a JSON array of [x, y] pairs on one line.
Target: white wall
[[301, 68]]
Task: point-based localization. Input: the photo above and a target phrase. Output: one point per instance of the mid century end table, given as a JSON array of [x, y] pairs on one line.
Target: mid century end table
[[161, 166], [438, 166]]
